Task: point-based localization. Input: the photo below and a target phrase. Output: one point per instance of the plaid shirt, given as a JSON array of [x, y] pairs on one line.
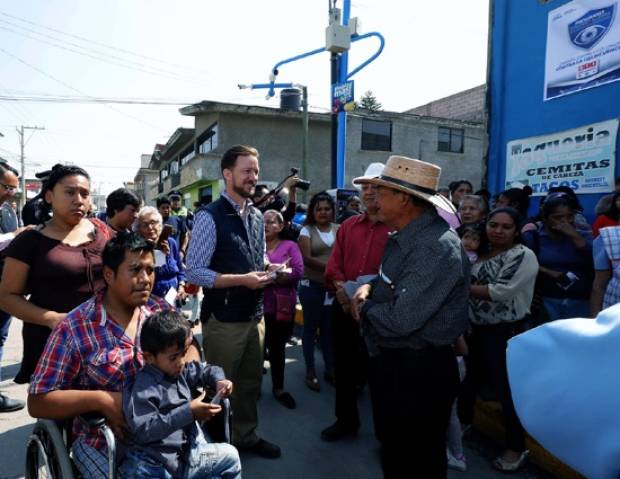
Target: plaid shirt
[[87, 351]]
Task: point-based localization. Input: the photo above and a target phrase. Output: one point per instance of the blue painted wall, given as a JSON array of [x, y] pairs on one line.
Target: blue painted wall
[[516, 81]]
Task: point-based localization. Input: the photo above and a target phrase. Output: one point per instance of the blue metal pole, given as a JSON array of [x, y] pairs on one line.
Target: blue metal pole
[[343, 72]]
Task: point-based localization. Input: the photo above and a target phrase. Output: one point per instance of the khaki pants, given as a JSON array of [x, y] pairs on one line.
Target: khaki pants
[[238, 349]]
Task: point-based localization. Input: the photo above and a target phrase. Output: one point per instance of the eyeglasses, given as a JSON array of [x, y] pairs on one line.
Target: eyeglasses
[[9, 188], [149, 224]]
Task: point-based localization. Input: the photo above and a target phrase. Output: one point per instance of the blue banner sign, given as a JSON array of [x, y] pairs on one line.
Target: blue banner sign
[[343, 97]]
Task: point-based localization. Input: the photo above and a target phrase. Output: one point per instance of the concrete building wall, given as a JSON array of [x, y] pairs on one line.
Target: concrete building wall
[[279, 139], [417, 138], [279, 142], [467, 105]]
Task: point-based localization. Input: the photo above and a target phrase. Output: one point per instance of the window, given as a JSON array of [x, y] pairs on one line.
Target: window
[[376, 135], [174, 167], [163, 174], [187, 155], [450, 139], [208, 140]]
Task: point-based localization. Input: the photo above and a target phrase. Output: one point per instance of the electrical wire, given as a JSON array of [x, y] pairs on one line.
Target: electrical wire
[[66, 85], [75, 99], [30, 119], [106, 59], [122, 50]]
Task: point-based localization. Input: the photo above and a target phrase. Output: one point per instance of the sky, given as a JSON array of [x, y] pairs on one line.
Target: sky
[[187, 51]]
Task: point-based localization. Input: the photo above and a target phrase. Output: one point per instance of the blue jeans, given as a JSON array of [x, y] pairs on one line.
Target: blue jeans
[[566, 308], [5, 322], [316, 315], [207, 460]]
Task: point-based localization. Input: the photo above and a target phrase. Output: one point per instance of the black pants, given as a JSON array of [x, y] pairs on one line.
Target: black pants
[[351, 366], [414, 391], [276, 335], [486, 363]]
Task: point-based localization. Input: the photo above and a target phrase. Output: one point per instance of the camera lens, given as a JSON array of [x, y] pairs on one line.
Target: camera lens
[[303, 185]]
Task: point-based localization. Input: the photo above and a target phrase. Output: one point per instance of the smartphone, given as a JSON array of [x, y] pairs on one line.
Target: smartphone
[[215, 399], [166, 232], [282, 267], [567, 280]]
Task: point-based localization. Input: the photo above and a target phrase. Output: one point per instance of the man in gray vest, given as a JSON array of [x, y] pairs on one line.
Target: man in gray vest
[[8, 230], [227, 258]]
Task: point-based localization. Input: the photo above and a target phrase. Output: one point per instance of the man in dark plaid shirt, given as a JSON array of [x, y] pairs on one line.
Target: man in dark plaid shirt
[[93, 352], [410, 316]]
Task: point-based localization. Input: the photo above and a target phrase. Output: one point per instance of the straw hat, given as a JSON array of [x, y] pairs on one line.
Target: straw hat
[[413, 177]]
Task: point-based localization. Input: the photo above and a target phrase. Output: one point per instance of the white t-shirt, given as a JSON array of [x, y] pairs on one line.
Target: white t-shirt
[[327, 237]]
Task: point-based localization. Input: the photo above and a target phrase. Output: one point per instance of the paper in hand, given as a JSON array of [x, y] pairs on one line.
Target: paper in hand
[[171, 296], [160, 258]]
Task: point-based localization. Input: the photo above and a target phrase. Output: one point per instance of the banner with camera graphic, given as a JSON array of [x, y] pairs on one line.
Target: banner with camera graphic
[[583, 47], [582, 158]]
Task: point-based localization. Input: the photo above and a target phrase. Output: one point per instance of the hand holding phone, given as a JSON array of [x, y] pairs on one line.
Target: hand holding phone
[[218, 397], [166, 232], [566, 280], [281, 268]]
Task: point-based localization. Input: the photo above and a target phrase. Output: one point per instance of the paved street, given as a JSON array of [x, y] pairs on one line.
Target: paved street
[[305, 456]]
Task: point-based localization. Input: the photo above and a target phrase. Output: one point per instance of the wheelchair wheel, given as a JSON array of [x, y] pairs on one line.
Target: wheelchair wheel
[[46, 453]]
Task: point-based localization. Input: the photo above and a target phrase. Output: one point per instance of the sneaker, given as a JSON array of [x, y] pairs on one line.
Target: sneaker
[[458, 462], [293, 341]]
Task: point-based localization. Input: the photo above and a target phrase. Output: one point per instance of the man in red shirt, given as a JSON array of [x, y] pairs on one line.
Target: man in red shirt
[[357, 252]]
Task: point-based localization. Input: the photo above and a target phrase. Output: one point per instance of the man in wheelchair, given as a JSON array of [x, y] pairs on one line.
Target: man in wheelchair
[[94, 353]]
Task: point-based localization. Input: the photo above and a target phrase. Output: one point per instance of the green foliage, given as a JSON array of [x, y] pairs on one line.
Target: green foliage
[[369, 102]]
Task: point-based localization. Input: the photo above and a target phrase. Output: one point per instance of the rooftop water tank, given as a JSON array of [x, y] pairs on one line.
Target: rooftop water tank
[[290, 99]]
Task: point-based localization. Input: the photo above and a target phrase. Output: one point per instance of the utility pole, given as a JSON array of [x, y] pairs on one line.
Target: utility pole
[[22, 144], [304, 150], [333, 58], [338, 39]]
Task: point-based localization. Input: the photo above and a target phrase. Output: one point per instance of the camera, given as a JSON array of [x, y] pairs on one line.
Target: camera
[[301, 184]]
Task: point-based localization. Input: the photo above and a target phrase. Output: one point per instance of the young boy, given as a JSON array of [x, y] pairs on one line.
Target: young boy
[[166, 441]]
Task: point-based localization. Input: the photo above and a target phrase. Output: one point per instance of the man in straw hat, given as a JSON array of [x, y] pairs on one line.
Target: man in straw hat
[[410, 315]]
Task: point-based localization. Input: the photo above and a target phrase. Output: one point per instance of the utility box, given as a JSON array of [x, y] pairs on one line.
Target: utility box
[[337, 38]]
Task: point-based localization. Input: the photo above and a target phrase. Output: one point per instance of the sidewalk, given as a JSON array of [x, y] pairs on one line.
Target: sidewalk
[[304, 455]]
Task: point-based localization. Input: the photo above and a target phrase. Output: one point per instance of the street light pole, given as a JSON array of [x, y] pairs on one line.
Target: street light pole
[[334, 131], [22, 159], [305, 148]]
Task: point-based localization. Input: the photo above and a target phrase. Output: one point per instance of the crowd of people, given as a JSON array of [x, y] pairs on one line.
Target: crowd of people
[[410, 289]]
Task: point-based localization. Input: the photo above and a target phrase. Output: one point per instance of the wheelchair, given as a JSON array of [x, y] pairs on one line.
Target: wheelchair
[[48, 449]]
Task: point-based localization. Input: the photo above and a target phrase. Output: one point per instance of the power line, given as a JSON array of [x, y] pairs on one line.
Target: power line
[[74, 99], [78, 91], [109, 58], [104, 100], [21, 109], [128, 52]]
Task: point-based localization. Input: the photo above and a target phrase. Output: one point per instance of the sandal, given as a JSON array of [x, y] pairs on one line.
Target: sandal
[[313, 383], [503, 465]]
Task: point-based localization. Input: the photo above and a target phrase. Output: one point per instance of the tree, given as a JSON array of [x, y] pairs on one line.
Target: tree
[[369, 102]]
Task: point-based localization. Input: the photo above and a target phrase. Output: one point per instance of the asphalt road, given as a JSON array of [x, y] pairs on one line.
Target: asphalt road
[[304, 455]]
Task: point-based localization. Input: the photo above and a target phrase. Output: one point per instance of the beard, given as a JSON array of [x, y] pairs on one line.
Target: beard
[[242, 191]]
